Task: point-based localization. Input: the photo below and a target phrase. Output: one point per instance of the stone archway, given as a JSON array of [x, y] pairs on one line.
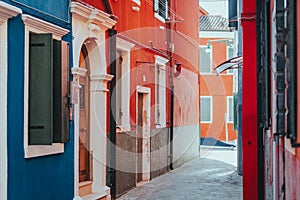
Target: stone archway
[[90, 32]]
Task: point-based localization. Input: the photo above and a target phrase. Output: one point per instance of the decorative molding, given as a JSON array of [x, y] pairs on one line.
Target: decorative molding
[[43, 150], [142, 89], [138, 2], [101, 77], [43, 25], [124, 45], [8, 11], [90, 14], [78, 71], [99, 82], [160, 60], [135, 8]]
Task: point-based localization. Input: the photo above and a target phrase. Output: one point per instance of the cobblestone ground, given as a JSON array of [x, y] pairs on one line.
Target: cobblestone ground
[[201, 178]]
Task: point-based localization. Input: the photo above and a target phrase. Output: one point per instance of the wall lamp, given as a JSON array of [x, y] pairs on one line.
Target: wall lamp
[[177, 69]]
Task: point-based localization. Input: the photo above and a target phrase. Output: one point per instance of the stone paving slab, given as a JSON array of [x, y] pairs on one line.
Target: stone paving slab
[[198, 179]]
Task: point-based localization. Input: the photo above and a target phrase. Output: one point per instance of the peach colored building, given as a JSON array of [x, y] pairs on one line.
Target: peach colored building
[[216, 91]]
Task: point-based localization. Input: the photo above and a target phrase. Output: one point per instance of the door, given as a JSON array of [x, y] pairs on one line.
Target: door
[[84, 136], [139, 139]]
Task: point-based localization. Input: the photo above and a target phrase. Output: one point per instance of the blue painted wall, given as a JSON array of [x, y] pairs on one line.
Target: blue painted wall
[[47, 177]]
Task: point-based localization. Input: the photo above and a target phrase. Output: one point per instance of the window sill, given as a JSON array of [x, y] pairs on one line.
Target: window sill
[[43, 150], [160, 18]]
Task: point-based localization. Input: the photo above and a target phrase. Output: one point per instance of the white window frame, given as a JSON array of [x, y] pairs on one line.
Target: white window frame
[[210, 51], [229, 71], [6, 11], [160, 18], [211, 109], [36, 25], [125, 47], [228, 111], [160, 64]]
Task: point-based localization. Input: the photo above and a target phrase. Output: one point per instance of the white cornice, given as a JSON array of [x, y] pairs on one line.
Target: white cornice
[[101, 77], [79, 71], [7, 11], [92, 15], [43, 25], [124, 45], [160, 60]]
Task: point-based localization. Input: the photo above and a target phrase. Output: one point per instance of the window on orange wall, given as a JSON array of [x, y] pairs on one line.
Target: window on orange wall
[[206, 109], [230, 115], [230, 54], [160, 8], [205, 60]]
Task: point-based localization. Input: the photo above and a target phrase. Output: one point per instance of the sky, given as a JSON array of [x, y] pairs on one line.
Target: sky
[[215, 7]]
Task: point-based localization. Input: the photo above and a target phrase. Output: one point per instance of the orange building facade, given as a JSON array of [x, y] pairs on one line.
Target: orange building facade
[[217, 44], [140, 62]]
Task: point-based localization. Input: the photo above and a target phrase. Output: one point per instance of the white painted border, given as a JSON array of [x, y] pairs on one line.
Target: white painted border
[[216, 34], [36, 25], [6, 11], [227, 56], [3, 111], [89, 26], [146, 130], [211, 109], [211, 60], [125, 47], [227, 103], [161, 107]]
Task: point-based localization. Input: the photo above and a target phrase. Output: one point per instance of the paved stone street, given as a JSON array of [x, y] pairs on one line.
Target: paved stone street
[[201, 178]]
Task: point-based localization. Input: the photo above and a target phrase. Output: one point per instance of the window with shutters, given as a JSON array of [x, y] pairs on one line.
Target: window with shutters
[[46, 92], [230, 115], [161, 9], [205, 60], [206, 109], [230, 54], [160, 91]]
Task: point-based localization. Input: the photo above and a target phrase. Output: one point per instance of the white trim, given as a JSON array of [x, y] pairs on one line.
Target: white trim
[[146, 130], [160, 101], [211, 60], [43, 26], [138, 2], [228, 57], [94, 39], [125, 47], [92, 15], [216, 34], [6, 11], [3, 110], [228, 111], [211, 109], [160, 18], [33, 24]]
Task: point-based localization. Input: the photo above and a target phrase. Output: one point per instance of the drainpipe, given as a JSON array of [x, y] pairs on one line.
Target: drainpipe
[[171, 77], [112, 121]]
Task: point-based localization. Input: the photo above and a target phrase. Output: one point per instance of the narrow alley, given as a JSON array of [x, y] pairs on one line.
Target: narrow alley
[[208, 177]]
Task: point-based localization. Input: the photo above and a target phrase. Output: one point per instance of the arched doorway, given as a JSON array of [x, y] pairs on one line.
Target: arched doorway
[[84, 122]]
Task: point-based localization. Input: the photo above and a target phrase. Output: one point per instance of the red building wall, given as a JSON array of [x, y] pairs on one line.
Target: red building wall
[[249, 114]]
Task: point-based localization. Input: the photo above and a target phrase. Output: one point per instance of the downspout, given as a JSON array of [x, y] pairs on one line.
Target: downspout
[[112, 121], [171, 82]]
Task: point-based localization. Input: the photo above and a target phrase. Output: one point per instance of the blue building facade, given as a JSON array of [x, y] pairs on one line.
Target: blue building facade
[[39, 136]]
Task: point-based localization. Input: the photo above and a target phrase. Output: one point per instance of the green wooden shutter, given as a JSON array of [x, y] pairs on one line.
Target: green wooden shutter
[[40, 89], [60, 92]]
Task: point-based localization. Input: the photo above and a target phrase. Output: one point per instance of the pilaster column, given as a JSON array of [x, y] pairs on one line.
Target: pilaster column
[[98, 131]]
